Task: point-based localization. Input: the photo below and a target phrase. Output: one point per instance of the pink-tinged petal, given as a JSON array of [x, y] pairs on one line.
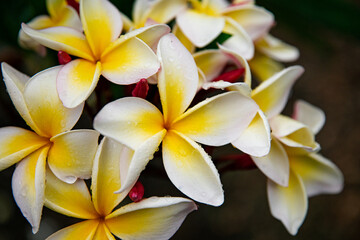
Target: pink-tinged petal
[[72, 153], [218, 120], [240, 42], [152, 219], [106, 175], [288, 204], [272, 94], [76, 81], [319, 174], [293, 133], [211, 63], [45, 107], [129, 61], [277, 49], [191, 170], [101, 22], [83, 230], [130, 121], [15, 82], [200, 28], [263, 67], [275, 165], [69, 199], [178, 77], [255, 140], [313, 117], [255, 20], [183, 39], [65, 39], [28, 186], [17, 143]]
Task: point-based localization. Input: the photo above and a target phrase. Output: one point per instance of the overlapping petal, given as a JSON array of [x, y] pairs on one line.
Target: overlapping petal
[[153, 218], [101, 22], [178, 77], [211, 63], [313, 117], [47, 111], [318, 174], [103, 232], [263, 67], [272, 94], [83, 230], [17, 143], [255, 140], [183, 39], [76, 81], [72, 153], [288, 204], [277, 49], [275, 165], [28, 186], [162, 11], [216, 121], [69, 199], [191, 170], [199, 27], [53, 7]]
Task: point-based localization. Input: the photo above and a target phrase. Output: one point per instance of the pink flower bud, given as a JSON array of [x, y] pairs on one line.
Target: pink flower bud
[[137, 192], [231, 76], [73, 4], [63, 57], [141, 89]]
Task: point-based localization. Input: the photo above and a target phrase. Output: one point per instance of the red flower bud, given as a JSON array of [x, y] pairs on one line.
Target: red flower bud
[[73, 4], [141, 89], [137, 192], [231, 76], [63, 57], [240, 161]]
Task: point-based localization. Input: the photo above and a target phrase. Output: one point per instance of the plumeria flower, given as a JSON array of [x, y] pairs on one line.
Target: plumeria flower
[[206, 19], [310, 174], [60, 14], [152, 218], [123, 60], [68, 153], [141, 126]]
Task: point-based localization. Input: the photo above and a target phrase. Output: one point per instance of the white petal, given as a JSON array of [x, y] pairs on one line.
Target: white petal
[[311, 116]]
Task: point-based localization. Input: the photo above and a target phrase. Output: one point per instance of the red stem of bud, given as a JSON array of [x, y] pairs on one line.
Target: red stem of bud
[[63, 57], [73, 4], [141, 89], [231, 76], [137, 192]]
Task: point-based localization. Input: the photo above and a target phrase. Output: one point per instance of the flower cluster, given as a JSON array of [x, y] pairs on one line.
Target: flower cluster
[[181, 81]]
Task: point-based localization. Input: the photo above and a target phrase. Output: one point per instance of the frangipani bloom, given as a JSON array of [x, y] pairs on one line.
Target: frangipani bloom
[[68, 153], [202, 23], [310, 174], [152, 218], [141, 126], [123, 60], [60, 14]]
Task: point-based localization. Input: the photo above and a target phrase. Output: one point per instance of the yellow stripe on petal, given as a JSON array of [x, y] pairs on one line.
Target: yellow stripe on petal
[[130, 121], [191, 170], [272, 94], [218, 120], [28, 186], [178, 77], [101, 22], [72, 153], [103, 233], [153, 219], [17, 143], [106, 175], [76, 81], [45, 107], [183, 39], [288, 204], [84, 230], [69, 199], [129, 61], [62, 38]]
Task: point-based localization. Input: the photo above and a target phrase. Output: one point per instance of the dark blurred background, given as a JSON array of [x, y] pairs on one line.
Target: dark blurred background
[[327, 33]]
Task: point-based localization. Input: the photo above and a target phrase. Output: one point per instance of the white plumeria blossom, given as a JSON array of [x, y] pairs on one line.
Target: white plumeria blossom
[[141, 126], [152, 218], [67, 153]]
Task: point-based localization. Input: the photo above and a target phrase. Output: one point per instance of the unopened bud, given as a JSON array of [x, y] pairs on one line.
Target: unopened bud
[[231, 76], [137, 192], [73, 4], [141, 89], [240, 161], [63, 57]]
